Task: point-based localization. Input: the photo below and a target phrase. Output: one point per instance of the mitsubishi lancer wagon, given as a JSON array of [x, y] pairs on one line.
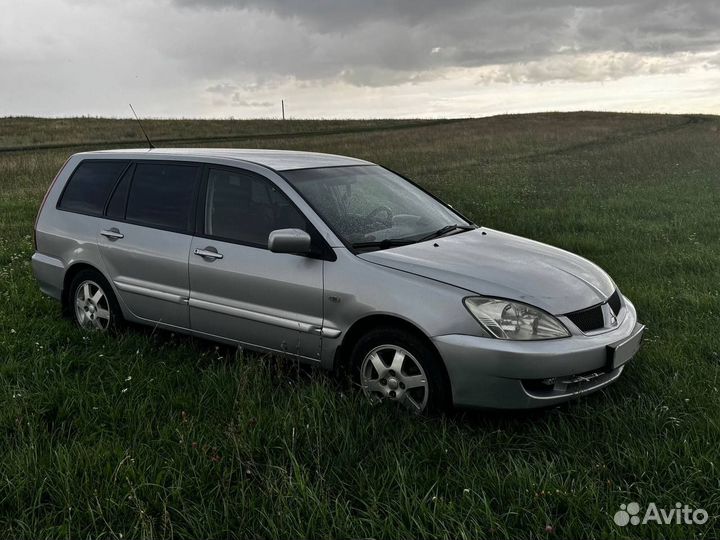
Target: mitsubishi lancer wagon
[[334, 261]]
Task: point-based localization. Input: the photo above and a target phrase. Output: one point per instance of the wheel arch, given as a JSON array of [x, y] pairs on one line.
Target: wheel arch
[[341, 359], [73, 270]]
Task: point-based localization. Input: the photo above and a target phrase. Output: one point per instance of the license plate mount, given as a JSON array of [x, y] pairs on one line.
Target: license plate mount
[[621, 352]]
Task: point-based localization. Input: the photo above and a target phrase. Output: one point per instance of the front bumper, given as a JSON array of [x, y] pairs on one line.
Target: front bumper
[[500, 374]]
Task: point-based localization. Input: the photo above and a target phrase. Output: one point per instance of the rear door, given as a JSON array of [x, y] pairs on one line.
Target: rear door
[[145, 238], [239, 289]]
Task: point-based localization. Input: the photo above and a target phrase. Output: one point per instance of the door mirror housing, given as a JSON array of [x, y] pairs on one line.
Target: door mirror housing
[[294, 241]]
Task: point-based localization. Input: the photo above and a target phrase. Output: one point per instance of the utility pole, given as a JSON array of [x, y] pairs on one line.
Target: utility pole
[[282, 104]]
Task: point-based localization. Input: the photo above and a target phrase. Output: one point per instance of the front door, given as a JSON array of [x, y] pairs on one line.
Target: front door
[[240, 290]]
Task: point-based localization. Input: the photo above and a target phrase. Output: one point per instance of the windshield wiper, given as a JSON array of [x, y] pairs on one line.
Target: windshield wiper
[[446, 229], [383, 244], [394, 242]]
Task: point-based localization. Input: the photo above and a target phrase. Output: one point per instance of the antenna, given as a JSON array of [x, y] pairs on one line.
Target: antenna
[[150, 144]]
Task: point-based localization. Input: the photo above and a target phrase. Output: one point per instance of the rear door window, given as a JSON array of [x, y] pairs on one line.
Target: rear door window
[[90, 185], [162, 195]]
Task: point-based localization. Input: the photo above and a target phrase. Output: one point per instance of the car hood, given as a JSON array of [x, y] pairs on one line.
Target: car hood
[[493, 263]]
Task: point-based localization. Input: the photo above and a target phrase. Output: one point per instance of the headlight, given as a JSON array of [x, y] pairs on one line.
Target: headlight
[[504, 319]]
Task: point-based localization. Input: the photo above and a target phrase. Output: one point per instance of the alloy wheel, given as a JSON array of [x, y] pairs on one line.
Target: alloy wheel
[[389, 372], [92, 308]]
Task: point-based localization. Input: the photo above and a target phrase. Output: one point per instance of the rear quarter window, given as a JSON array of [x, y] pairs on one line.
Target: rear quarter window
[[90, 185]]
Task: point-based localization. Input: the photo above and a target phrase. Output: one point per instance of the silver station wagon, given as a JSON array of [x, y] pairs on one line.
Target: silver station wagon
[[335, 261]]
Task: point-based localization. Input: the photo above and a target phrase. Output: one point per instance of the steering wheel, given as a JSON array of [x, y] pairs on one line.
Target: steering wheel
[[370, 218]]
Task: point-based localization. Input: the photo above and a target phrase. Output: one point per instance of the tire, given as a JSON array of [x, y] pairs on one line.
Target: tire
[[390, 364], [92, 303]]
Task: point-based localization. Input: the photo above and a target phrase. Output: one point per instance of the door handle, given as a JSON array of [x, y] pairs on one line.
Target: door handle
[[112, 234], [208, 253]]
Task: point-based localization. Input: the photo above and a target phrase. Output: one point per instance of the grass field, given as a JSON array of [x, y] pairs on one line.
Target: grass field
[[155, 435]]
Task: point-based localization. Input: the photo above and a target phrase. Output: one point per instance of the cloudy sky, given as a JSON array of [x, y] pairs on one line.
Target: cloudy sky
[[357, 58]]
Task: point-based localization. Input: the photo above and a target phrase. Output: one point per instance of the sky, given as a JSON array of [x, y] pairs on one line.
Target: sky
[[357, 58]]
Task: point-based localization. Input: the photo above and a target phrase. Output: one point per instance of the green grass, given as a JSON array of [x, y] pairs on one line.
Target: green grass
[[155, 435]]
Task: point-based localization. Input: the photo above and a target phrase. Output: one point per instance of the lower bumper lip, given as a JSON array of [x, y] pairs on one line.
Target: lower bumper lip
[[566, 388]]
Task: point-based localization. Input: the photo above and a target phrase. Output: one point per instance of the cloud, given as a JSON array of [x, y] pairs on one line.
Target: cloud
[[224, 89], [376, 43], [214, 57], [328, 16], [592, 67], [238, 101]]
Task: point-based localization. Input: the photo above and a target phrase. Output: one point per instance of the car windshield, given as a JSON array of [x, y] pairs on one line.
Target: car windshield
[[369, 206]]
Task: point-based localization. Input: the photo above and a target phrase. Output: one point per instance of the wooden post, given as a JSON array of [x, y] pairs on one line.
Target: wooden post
[[282, 104]]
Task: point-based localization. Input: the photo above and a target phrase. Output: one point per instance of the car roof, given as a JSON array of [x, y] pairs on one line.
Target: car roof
[[278, 160]]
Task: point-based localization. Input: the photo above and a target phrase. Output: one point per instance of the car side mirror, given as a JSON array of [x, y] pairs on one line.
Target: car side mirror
[[289, 241]]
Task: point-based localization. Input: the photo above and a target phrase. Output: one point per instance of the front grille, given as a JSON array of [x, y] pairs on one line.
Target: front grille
[[588, 320], [592, 318]]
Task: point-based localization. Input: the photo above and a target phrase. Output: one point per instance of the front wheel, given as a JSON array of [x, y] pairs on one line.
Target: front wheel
[[397, 366]]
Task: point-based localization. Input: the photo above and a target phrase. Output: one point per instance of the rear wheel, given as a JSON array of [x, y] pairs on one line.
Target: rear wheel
[[392, 365], [92, 302]]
